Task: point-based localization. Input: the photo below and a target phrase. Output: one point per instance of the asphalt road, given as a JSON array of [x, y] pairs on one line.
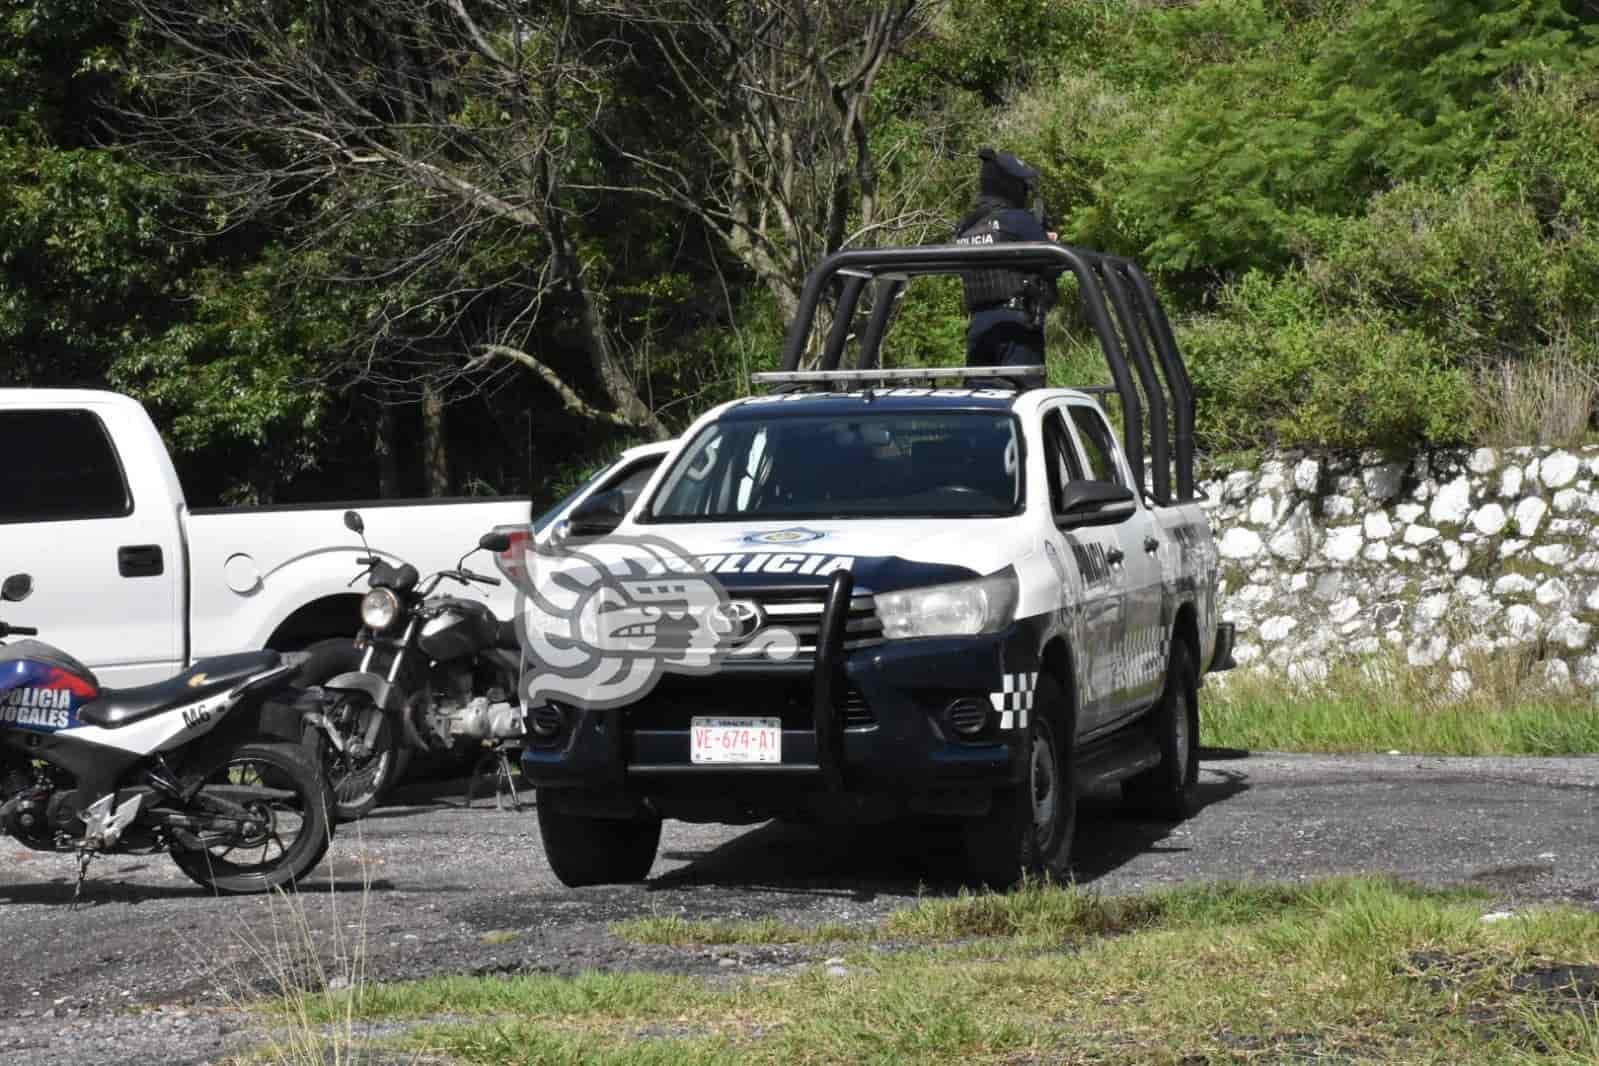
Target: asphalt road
[[147, 964]]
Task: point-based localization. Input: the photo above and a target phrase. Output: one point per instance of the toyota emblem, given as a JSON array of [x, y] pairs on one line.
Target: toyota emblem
[[742, 618]]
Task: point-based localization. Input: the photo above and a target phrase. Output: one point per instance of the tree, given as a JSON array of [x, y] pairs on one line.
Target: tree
[[430, 155], [778, 158]]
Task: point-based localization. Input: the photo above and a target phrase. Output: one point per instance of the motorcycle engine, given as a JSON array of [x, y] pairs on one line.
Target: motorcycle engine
[[27, 808], [482, 720]]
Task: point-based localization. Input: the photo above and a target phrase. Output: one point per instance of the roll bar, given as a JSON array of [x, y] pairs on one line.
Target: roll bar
[[1116, 298]]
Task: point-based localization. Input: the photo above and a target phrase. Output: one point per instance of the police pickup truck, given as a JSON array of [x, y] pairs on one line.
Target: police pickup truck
[[867, 596]]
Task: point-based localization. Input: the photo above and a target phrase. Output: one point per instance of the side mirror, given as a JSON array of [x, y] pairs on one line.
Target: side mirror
[[494, 542], [1093, 503], [17, 588], [352, 522], [598, 515]]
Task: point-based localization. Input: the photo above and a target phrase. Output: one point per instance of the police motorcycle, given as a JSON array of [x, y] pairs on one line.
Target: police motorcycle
[[436, 675], [195, 766]]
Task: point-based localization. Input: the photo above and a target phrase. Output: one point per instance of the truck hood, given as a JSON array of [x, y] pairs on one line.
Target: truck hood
[[883, 554]]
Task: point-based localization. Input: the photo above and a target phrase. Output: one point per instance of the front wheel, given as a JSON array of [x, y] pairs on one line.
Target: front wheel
[[373, 759], [596, 851], [1029, 830], [373, 756], [264, 822]]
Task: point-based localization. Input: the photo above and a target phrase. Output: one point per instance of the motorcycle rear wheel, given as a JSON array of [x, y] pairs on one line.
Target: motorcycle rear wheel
[[277, 782]]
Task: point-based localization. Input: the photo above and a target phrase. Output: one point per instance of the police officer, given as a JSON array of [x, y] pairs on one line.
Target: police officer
[[1006, 306]]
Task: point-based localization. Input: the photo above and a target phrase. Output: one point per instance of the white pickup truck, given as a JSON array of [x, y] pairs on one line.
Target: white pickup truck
[[136, 584], [867, 596]]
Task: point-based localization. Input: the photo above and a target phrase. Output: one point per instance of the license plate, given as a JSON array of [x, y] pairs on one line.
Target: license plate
[[736, 740]]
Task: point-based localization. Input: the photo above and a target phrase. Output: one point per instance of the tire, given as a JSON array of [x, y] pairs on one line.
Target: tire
[[360, 787], [278, 768], [597, 851], [1029, 830], [1170, 790]]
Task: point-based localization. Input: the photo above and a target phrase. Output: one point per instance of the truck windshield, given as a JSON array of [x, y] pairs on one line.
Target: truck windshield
[[919, 464]]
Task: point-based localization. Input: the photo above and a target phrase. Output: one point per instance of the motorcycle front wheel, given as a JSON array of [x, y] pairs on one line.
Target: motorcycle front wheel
[[289, 824], [359, 782], [361, 775]]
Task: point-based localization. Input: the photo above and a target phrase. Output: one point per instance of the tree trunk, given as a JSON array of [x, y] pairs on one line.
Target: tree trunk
[[597, 339], [435, 457], [388, 466]]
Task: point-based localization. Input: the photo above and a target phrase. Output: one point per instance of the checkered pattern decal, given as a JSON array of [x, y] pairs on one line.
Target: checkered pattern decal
[[1147, 650], [1015, 699]]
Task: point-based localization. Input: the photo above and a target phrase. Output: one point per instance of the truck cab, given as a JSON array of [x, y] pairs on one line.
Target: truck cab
[[940, 593]]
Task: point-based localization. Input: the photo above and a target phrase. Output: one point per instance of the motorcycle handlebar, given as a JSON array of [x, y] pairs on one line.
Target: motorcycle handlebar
[[17, 631], [483, 578]]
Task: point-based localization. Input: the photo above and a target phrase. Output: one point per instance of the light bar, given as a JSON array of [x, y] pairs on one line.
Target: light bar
[[799, 377]]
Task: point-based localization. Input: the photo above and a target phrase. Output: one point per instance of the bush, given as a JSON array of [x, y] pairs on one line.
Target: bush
[[1275, 365]]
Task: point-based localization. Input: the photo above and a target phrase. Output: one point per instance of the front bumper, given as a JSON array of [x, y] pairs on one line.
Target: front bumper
[[868, 722]]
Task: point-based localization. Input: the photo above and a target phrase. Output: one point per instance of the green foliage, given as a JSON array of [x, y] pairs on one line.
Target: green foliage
[[1283, 119], [1275, 360], [1371, 221]]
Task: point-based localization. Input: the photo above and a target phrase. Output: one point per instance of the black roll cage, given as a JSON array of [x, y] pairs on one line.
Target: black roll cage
[[1116, 297]]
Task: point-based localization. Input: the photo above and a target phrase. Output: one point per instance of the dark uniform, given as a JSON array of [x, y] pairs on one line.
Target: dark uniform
[[1006, 306]]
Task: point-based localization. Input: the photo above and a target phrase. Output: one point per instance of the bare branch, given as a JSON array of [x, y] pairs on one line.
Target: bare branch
[[569, 398]]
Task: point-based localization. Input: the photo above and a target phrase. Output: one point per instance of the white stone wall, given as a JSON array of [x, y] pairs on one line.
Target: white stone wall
[[1327, 555]]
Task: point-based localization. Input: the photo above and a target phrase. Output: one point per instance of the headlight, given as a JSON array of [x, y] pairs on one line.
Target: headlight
[[379, 609], [962, 609]]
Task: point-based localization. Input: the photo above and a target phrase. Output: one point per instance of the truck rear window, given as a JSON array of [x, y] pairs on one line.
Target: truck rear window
[[67, 470], [945, 464]]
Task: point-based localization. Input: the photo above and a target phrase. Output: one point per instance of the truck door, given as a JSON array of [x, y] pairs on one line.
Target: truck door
[[1095, 583], [107, 567], [1137, 538]]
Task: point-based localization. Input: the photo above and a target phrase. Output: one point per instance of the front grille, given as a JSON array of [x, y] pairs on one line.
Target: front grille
[[676, 699], [800, 612]]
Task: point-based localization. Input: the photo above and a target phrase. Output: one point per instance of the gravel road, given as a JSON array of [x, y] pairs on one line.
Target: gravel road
[[146, 966]]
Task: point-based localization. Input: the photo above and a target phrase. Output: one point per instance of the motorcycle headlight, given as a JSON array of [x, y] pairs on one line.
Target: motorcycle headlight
[[379, 609], [961, 609]]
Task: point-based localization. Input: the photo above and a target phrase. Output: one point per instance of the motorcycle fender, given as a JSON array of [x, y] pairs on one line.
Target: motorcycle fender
[[385, 696]]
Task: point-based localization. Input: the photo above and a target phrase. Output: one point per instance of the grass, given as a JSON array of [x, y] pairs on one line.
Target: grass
[[1354, 969], [1380, 704]]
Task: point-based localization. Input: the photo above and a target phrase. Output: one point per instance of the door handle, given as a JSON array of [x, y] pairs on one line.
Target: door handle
[[1114, 556], [140, 560], [1151, 545]]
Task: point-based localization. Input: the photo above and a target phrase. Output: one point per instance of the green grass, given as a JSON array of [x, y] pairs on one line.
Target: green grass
[[1379, 704], [1357, 969], [1033, 911]]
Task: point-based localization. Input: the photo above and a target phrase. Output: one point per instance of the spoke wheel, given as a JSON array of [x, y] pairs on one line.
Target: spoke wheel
[[267, 811], [360, 775]]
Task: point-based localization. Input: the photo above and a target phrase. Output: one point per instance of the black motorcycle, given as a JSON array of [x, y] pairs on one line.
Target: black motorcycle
[[193, 766], [436, 675]]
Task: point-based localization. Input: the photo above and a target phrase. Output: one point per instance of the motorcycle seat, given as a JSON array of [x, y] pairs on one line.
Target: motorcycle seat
[[119, 707]]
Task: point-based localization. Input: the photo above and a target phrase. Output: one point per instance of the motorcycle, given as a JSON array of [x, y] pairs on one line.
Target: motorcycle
[[436, 675], [195, 766]]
